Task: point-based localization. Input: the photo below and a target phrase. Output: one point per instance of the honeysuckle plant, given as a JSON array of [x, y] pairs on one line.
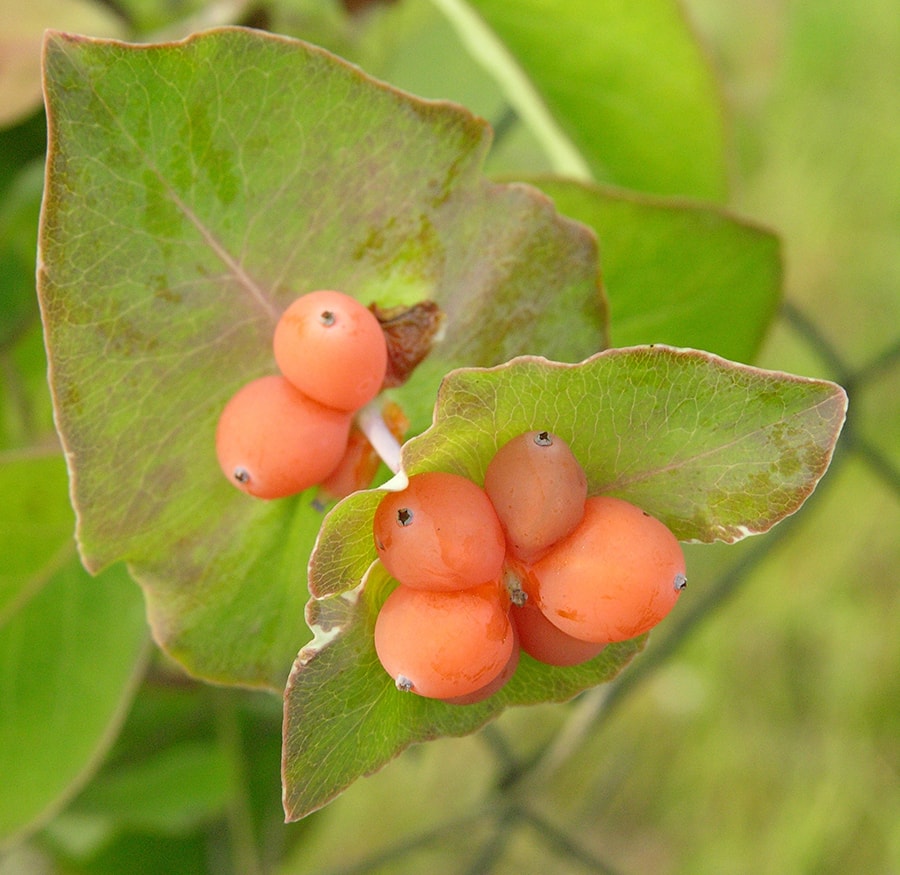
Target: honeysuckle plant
[[194, 189]]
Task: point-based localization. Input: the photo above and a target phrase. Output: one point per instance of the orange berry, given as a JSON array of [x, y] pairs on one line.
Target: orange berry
[[332, 348], [440, 533], [538, 489], [442, 645], [547, 643], [496, 684], [273, 441], [614, 577]]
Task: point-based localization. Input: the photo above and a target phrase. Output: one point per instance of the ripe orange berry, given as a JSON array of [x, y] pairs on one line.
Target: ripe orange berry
[[547, 643], [496, 684], [538, 489], [273, 441], [614, 577], [440, 533], [442, 645], [332, 348]]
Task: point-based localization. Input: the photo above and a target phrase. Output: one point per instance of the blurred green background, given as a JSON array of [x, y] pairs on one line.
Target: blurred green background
[[760, 730]]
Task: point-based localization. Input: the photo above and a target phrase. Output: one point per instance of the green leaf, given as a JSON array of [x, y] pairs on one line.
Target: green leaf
[[136, 853], [678, 273], [714, 449], [172, 791], [71, 649], [37, 521], [26, 409], [19, 210], [625, 85], [193, 190], [20, 145]]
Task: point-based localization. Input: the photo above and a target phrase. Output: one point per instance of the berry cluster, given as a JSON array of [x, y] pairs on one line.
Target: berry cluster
[[281, 434], [530, 562]]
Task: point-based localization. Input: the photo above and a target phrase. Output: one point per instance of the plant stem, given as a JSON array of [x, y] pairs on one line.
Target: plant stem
[[816, 341], [373, 426], [563, 842], [487, 49], [239, 814], [463, 824], [876, 460], [492, 851], [879, 364]]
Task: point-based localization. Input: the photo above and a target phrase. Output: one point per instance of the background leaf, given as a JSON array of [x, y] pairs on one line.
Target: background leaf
[[18, 237], [714, 449], [680, 273], [71, 649], [171, 791], [634, 94], [193, 777], [193, 190]]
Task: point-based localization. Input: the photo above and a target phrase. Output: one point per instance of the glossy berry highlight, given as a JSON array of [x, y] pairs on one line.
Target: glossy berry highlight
[[444, 645], [332, 348], [538, 489], [614, 577], [440, 533], [273, 441]]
